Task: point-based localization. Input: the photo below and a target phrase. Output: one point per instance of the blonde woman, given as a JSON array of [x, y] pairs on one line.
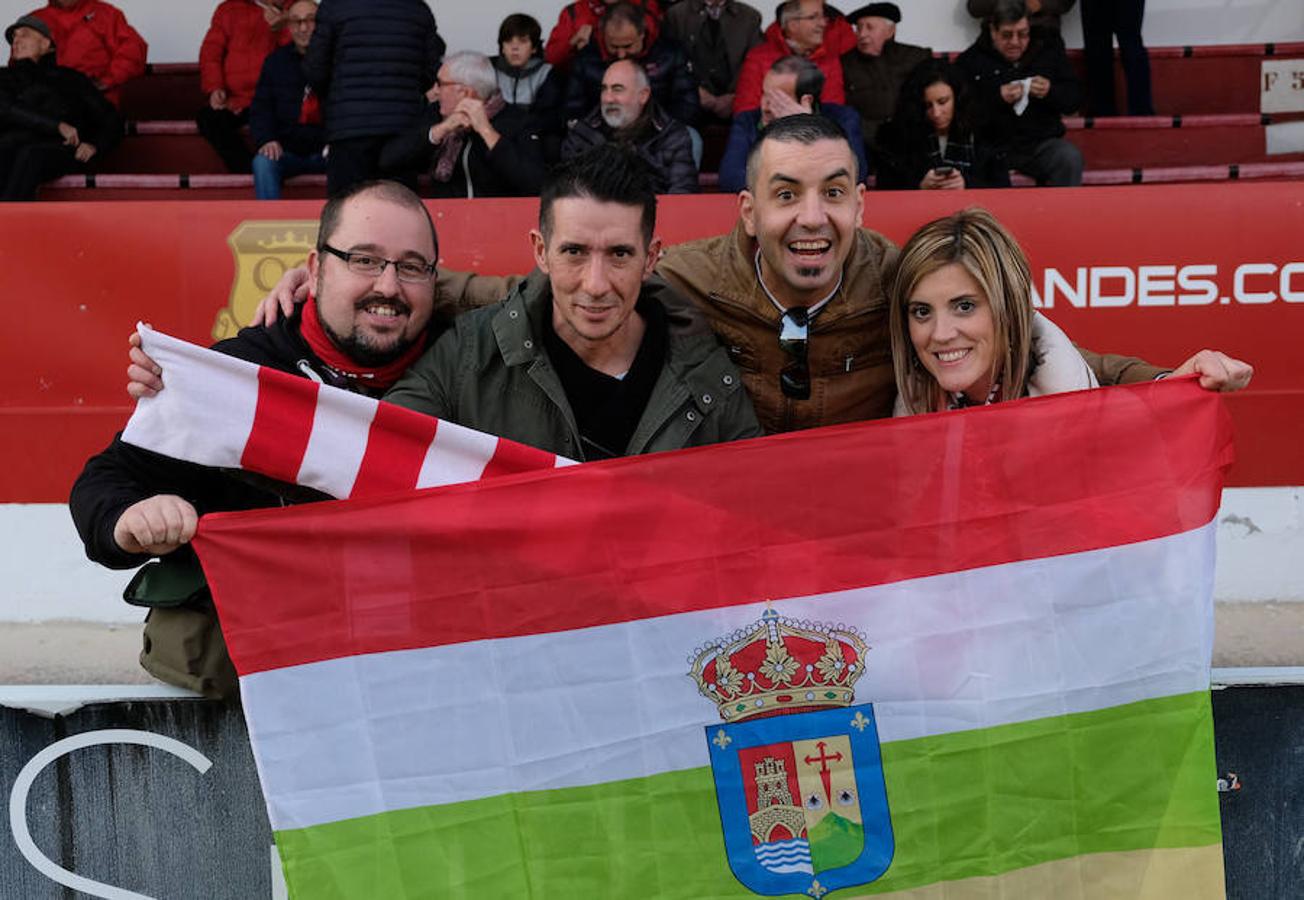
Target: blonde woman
[[964, 332]]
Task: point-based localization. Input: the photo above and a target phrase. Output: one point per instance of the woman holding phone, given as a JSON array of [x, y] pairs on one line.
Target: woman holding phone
[[930, 144]]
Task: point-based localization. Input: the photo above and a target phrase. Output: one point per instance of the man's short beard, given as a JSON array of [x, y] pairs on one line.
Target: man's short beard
[[361, 351], [810, 272]]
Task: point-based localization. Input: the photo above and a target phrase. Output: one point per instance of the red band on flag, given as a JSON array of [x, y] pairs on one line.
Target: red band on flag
[[396, 448], [510, 457], [282, 424], [791, 515]]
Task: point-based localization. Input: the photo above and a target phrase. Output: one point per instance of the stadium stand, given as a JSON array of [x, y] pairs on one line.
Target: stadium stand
[[1211, 130]]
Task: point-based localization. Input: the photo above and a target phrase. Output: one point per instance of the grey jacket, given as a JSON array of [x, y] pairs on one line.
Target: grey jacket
[[490, 372]]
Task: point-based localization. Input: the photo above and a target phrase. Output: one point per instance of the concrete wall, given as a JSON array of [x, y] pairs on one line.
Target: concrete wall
[[174, 28]]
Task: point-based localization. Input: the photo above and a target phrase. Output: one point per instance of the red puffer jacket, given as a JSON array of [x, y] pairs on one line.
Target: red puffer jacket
[[233, 51], [95, 39], [838, 39], [557, 49]]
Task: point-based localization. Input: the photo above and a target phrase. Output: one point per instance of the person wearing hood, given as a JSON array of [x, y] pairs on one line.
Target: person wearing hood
[[96, 39], [803, 28], [53, 119], [525, 79]]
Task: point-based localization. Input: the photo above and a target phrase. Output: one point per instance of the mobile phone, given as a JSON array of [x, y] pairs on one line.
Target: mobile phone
[[943, 171]]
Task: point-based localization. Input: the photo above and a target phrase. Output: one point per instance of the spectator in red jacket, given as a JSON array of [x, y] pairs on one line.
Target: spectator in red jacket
[[242, 34], [803, 28], [577, 22], [94, 38]]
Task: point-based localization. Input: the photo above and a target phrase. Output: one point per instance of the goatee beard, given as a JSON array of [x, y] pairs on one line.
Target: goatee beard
[[359, 349]]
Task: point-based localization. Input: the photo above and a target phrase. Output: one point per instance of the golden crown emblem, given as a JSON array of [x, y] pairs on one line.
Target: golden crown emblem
[[780, 665]]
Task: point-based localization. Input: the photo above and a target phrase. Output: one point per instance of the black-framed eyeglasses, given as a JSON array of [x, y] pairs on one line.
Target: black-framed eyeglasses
[[794, 332], [372, 266]]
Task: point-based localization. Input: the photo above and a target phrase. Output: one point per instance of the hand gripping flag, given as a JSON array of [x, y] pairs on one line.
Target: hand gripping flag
[[959, 655], [228, 413]]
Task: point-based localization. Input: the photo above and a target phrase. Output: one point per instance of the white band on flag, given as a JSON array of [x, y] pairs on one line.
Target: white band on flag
[[209, 409]]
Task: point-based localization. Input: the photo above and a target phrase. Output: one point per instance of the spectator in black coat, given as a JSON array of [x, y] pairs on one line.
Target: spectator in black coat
[[929, 143], [628, 114], [622, 34], [53, 120], [524, 79], [715, 35], [475, 144], [285, 118], [1023, 87], [371, 61]]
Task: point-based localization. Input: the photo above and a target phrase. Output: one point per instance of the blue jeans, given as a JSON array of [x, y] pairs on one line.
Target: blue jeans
[[268, 174]]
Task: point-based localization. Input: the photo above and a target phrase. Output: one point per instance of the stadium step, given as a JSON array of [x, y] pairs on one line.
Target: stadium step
[[137, 186], [1165, 141], [1225, 78], [1269, 171], [1199, 80], [163, 146], [165, 91]]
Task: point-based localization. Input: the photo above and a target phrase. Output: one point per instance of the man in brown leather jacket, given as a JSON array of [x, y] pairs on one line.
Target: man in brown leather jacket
[[794, 291]]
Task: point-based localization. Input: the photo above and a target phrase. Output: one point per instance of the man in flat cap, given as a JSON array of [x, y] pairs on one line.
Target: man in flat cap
[[53, 119], [874, 70]]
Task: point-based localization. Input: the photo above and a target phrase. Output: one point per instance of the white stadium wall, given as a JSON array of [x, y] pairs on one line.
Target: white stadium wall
[[174, 28]]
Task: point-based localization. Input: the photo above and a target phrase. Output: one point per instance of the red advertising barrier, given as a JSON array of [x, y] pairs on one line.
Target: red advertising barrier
[[1157, 272]]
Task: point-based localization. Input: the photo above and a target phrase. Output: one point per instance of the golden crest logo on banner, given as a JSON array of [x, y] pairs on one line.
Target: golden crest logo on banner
[[264, 251]]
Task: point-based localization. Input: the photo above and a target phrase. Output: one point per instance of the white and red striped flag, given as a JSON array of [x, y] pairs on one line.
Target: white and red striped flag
[[220, 411]]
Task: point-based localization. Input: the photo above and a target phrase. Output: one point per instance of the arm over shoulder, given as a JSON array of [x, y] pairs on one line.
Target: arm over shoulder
[[1113, 369]]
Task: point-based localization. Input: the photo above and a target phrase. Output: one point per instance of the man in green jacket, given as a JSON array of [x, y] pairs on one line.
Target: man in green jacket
[[584, 358]]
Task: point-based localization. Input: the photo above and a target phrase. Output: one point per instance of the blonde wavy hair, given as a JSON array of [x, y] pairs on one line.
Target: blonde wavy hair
[[971, 238]]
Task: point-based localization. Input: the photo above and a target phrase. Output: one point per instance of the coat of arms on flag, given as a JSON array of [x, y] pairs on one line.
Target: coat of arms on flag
[[797, 769]]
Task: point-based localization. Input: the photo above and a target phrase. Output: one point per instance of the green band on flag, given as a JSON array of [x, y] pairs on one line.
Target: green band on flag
[[963, 804]]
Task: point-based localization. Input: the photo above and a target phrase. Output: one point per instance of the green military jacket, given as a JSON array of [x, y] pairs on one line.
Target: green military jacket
[[490, 372]]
